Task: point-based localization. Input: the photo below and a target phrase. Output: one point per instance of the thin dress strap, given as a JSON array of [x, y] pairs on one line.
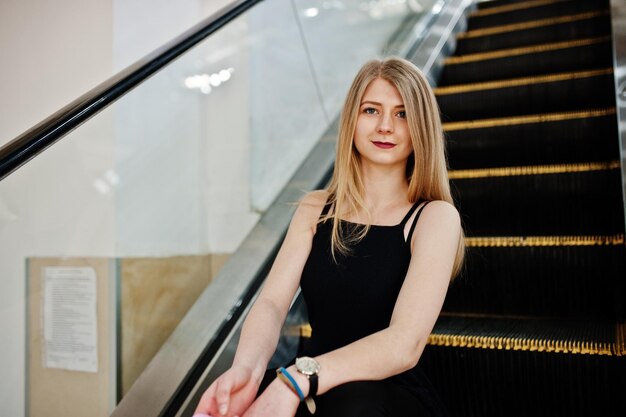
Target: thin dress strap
[[408, 215], [327, 206], [417, 216]]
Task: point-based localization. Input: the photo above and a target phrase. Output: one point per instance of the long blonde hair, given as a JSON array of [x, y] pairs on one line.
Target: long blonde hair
[[426, 169]]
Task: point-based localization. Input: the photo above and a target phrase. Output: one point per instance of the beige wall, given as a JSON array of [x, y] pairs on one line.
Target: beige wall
[[52, 52], [155, 295]]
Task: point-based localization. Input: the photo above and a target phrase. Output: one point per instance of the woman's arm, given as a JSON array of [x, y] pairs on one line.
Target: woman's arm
[[261, 329], [399, 347]]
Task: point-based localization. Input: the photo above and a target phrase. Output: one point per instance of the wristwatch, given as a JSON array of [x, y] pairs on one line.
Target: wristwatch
[[310, 368]]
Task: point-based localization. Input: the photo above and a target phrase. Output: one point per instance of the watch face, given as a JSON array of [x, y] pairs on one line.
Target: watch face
[[307, 366]]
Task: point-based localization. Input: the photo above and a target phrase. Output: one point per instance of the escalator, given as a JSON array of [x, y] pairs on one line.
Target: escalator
[[535, 323], [535, 326], [163, 189]]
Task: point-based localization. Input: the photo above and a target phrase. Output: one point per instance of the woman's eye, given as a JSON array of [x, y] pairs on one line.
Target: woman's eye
[[369, 110], [401, 114]]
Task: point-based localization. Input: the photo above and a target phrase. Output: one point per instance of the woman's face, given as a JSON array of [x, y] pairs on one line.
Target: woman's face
[[382, 135]]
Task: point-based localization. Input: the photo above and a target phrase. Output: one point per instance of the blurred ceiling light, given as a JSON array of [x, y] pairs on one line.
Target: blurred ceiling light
[[206, 82], [311, 12], [215, 80], [112, 177], [224, 75], [106, 184], [437, 7], [101, 186]]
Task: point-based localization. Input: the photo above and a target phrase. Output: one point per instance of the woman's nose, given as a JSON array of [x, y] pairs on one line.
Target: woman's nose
[[385, 124]]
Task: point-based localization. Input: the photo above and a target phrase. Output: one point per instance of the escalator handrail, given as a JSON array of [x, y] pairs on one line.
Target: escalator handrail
[[35, 140]]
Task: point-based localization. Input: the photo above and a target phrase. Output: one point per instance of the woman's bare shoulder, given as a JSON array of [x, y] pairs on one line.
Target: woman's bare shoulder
[[310, 208], [439, 221], [440, 214], [442, 208], [316, 198]]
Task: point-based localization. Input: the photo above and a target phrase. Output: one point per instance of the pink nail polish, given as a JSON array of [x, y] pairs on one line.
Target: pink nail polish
[[201, 415]]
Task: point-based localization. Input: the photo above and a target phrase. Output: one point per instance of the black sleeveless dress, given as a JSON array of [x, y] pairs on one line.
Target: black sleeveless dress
[[353, 298]]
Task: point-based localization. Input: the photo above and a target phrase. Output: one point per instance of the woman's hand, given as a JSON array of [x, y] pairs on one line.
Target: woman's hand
[[278, 400], [231, 394]]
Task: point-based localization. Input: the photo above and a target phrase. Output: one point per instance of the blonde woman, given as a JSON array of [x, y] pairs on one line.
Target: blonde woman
[[373, 277]]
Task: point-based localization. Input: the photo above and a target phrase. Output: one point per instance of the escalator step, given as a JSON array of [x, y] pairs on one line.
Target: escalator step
[[585, 337], [583, 25], [572, 137], [553, 276], [539, 94], [530, 10], [527, 119], [580, 199], [576, 55], [517, 367], [488, 4]]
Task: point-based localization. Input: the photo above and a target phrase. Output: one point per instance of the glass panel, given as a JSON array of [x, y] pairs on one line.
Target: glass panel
[[341, 35], [159, 22], [57, 263], [108, 237]]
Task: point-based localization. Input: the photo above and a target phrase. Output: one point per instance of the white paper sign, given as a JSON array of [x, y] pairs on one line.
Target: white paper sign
[[69, 319]]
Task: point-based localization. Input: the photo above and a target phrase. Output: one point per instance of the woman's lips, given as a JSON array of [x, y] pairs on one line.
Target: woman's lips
[[384, 145]]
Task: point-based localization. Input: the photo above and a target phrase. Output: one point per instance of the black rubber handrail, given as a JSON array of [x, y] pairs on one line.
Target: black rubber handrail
[[44, 134]]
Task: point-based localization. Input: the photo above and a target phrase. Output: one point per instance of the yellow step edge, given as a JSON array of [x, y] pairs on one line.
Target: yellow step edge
[[530, 344], [298, 330], [524, 50], [496, 316], [512, 7], [519, 120], [618, 348], [531, 24], [463, 174], [517, 82], [534, 241], [620, 337]]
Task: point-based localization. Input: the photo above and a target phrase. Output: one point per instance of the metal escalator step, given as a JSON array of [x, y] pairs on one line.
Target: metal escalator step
[[542, 241], [576, 199], [510, 6], [488, 4], [530, 334], [548, 276], [582, 25], [532, 170], [563, 140], [541, 94], [530, 10], [525, 50], [556, 57], [517, 82], [528, 119], [515, 27], [485, 366]]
